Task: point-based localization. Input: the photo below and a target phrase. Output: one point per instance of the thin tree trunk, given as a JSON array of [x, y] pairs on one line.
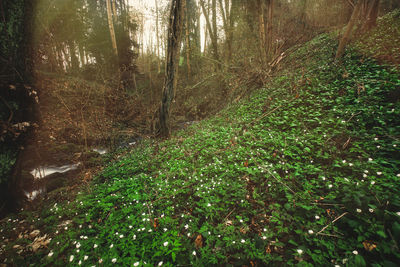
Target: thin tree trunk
[[111, 26], [187, 43], [158, 39], [262, 31], [228, 25], [214, 25], [268, 28], [349, 28], [174, 41], [212, 28], [114, 9]]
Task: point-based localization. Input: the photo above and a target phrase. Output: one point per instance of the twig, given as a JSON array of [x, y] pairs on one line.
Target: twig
[[323, 229], [394, 240], [347, 143], [266, 114], [277, 179], [202, 81], [328, 204], [352, 116], [226, 217], [351, 3], [330, 235]]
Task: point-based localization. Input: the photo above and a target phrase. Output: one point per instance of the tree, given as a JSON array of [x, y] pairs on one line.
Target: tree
[[158, 38], [111, 26], [212, 27], [349, 29], [365, 13], [173, 48], [371, 16]]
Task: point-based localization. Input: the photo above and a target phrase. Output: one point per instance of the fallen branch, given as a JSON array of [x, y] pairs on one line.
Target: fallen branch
[[323, 229]]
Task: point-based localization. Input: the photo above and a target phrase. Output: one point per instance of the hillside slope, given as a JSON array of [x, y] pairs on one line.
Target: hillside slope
[[305, 171]]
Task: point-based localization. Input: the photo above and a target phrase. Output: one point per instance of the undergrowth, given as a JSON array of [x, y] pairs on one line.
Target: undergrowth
[[304, 172]]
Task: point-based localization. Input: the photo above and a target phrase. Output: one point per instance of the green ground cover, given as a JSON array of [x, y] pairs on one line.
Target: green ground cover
[[306, 172]]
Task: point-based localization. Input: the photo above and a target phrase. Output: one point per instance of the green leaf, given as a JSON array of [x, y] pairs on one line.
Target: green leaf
[[381, 233], [359, 261]]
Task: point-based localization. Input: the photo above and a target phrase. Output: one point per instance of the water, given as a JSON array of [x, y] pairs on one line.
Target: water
[[43, 171]]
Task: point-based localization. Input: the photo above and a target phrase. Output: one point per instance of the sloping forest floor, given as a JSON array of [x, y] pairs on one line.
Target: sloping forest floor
[[305, 171]]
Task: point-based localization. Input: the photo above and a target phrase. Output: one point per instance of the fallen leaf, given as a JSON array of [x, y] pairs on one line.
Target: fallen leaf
[[369, 245], [156, 223], [198, 243]]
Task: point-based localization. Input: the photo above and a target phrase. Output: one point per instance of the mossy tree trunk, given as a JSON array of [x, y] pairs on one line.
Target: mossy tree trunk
[[172, 61]]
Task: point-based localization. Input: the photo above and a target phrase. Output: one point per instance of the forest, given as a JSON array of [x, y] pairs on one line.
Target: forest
[[200, 133]]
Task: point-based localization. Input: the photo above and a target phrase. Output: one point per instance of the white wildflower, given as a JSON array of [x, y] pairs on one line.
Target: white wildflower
[[355, 252], [379, 173], [317, 217], [95, 246], [114, 260], [310, 232], [194, 253], [136, 263], [358, 210], [160, 263], [71, 258], [50, 254], [165, 243], [299, 251]]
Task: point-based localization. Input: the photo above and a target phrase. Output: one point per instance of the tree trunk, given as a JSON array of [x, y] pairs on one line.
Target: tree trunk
[[114, 9], [227, 19], [187, 43], [212, 29], [268, 28], [262, 31], [74, 58], [349, 28], [372, 16], [173, 49], [111, 26], [158, 39]]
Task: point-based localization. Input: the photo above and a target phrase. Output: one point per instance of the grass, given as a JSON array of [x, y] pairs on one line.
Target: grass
[[304, 172]]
